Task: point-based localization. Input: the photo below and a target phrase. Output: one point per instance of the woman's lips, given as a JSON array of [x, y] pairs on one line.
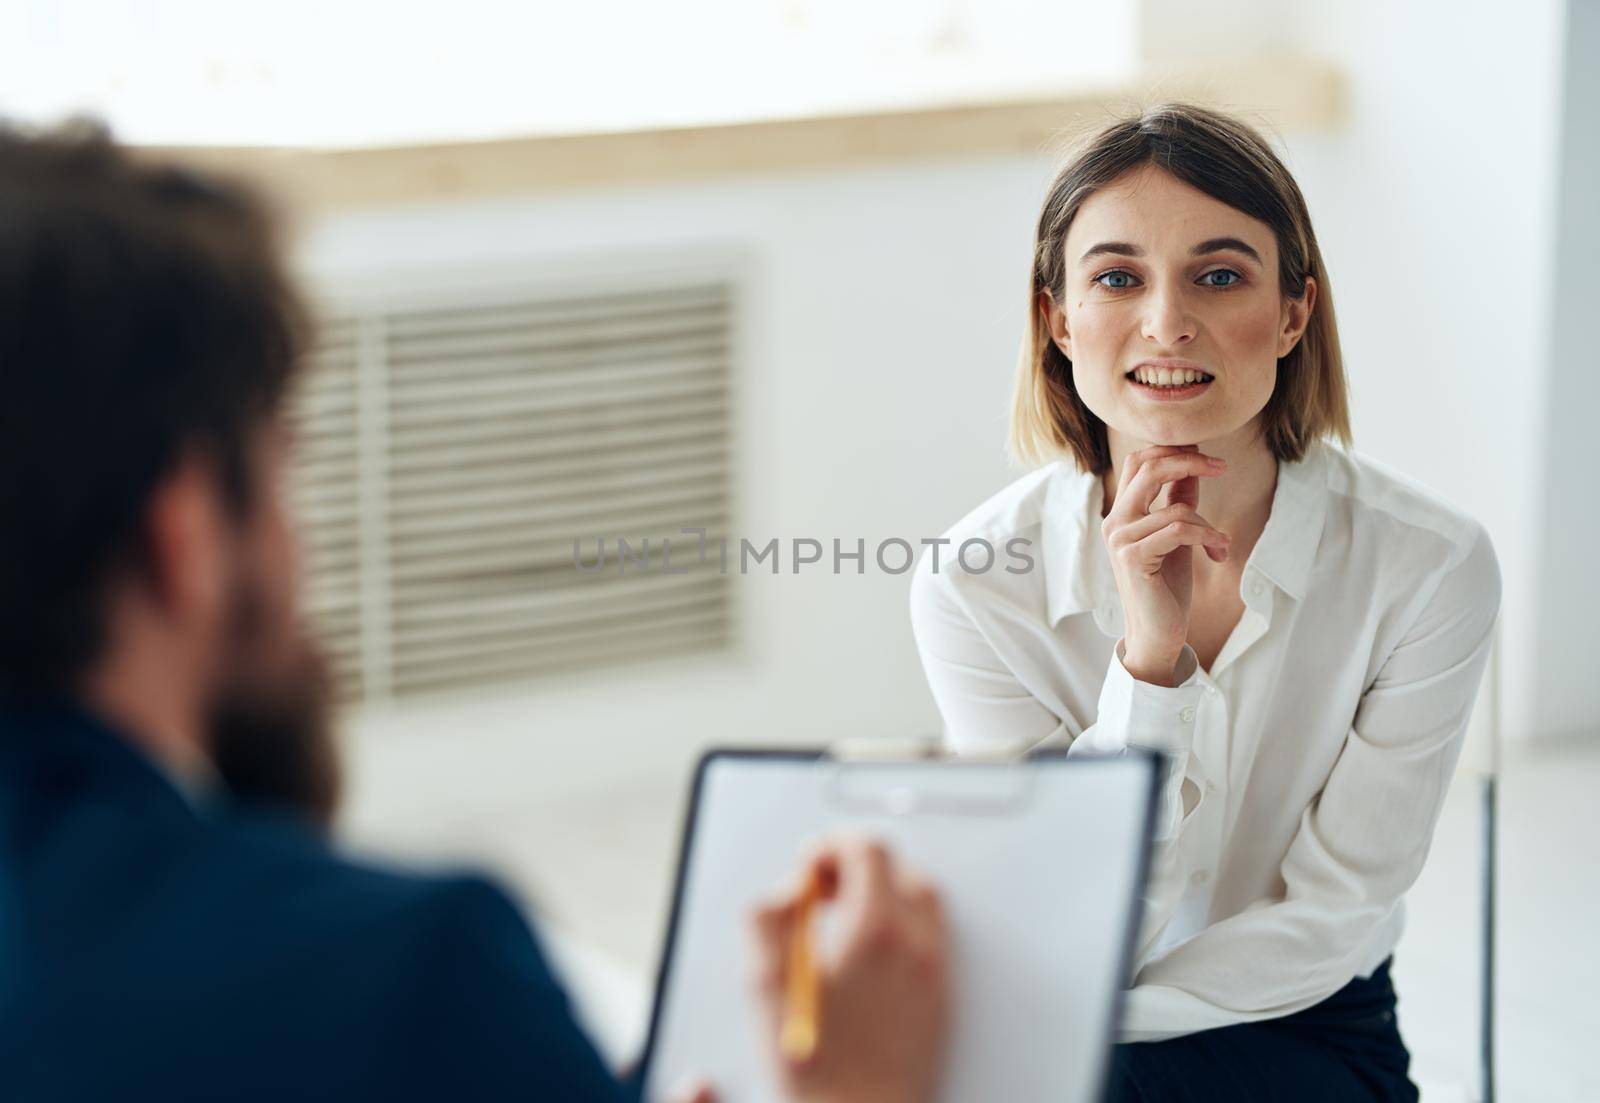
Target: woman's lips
[[1172, 393]]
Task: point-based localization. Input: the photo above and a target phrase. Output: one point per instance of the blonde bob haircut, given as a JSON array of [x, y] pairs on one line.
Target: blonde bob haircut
[[1232, 163]]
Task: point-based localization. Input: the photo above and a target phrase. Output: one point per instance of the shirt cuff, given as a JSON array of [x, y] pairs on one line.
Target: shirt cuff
[[1138, 714]]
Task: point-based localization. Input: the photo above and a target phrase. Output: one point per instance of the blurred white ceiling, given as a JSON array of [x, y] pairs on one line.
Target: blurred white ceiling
[[373, 72]]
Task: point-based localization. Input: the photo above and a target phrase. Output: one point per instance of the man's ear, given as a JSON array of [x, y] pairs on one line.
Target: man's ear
[[186, 543], [1296, 316], [1056, 319]]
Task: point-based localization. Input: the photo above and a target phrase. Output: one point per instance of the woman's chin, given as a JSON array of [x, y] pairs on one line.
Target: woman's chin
[[1169, 431]]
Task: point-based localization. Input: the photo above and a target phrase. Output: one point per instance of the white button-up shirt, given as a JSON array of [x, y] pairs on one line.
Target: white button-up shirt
[[1306, 767]]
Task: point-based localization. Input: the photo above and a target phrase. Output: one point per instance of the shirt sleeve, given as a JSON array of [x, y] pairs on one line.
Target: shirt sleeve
[[1162, 719], [1360, 844], [988, 710]]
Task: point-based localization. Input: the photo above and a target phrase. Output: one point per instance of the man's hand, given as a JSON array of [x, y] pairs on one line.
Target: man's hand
[[882, 998]]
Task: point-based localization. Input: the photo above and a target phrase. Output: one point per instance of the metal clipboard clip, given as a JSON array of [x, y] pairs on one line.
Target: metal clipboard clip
[[913, 778]]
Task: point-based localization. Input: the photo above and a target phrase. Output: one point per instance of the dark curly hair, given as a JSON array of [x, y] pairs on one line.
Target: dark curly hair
[[144, 312]]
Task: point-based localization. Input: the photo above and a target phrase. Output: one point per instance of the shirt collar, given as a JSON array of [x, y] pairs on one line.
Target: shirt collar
[[1288, 545], [1077, 569], [80, 741]]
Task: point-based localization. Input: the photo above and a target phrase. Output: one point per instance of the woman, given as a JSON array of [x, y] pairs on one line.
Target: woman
[[1298, 630]]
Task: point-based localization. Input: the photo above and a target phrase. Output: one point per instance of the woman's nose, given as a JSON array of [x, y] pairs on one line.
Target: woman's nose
[[1167, 320]]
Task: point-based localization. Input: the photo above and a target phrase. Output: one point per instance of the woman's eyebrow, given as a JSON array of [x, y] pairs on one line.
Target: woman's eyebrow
[[1219, 244], [1210, 245], [1119, 248]]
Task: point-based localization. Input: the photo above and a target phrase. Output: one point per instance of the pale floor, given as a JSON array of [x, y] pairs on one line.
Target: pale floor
[[597, 874]]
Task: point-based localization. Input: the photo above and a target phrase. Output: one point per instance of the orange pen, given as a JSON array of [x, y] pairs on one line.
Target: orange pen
[[798, 1038]]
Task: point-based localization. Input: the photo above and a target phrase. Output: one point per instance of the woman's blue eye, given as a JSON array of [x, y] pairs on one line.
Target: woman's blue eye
[[1104, 279], [1115, 272]]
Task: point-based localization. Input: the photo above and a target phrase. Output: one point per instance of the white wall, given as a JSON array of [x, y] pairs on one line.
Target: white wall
[[1565, 691], [1435, 213], [882, 322]]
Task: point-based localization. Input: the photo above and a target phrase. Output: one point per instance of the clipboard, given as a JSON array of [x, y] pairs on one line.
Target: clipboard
[[1040, 862]]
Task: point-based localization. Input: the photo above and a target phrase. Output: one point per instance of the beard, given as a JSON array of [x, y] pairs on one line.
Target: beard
[[270, 720]]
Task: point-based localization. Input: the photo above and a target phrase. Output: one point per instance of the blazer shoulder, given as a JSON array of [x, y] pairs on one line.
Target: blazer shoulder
[[302, 882]]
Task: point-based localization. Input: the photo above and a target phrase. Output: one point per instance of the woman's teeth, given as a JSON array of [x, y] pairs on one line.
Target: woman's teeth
[[1169, 377]]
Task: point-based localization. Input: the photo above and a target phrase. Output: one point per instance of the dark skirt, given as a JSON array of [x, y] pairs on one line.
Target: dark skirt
[[1346, 1048]]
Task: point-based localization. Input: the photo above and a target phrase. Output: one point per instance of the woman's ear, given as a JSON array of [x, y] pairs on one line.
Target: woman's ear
[[1296, 316], [1056, 319]]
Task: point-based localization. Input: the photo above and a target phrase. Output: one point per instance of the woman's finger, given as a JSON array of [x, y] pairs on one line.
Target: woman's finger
[[1149, 552], [1143, 488], [1155, 521], [1136, 460], [1184, 491]]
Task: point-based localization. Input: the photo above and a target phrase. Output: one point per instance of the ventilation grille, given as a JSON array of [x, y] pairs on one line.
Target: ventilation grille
[[450, 456]]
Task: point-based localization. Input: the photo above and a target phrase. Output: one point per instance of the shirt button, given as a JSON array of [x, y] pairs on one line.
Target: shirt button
[[1200, 877], [1187, 715], [1211, 787], [1257, 587], [1211, 691]]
